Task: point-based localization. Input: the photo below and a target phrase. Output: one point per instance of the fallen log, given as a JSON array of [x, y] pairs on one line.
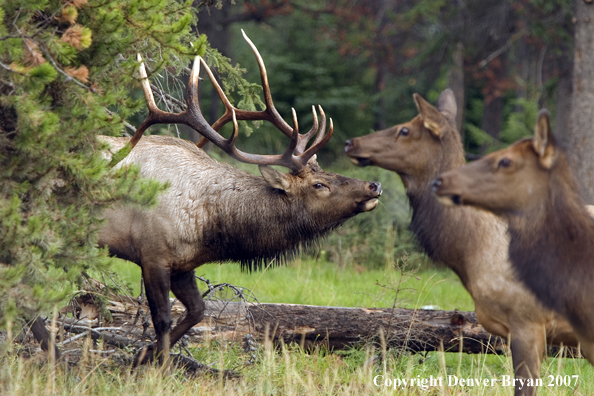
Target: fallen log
[[413, 330], [310, 326]]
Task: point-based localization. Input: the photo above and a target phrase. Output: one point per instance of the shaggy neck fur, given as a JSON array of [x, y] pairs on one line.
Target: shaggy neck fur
[[446, 234], [260, 230], [552, 251]]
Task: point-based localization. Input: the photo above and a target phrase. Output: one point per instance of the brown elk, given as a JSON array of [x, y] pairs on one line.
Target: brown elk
[[214, 212], [473, 243], [531, 186]]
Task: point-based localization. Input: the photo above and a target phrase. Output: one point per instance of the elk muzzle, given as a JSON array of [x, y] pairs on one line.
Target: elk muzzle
[[445, 191], [350, 149], [375, 189]]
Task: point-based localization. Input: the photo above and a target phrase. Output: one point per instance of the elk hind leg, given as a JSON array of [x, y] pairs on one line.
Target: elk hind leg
[[184, 287], [186, 290], [157, 283]]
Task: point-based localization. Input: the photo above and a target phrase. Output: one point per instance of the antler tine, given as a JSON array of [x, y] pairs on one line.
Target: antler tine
[[295, 122], [262, 67], [150, 102], [191, 117], [320, 142], [229, 108], [269, 114], [320, 136], [275, 117], [146, 85], [303, 139]]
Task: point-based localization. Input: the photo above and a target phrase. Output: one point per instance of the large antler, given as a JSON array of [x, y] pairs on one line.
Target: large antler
[[294, 158]]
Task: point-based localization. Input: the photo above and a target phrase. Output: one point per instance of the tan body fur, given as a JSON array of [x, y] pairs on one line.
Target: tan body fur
[[530, 185], [473, 243]]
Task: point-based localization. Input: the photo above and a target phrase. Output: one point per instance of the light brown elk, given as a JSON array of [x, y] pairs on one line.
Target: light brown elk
[[214, 212], [473, 243], [531, 186]]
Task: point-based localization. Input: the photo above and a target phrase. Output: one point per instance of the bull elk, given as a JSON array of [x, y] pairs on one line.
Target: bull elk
[[473, 243], [214, 212], [531, 186]]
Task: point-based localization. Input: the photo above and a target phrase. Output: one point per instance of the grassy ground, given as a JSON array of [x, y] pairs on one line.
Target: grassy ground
[[322, 283], [291, 371]]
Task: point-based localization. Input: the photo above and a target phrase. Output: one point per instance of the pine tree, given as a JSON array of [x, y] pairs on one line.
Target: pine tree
[[67, 71]]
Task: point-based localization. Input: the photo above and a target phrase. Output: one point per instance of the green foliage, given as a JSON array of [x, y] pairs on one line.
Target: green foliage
[[519, 124], [61, 69], [380, 238]]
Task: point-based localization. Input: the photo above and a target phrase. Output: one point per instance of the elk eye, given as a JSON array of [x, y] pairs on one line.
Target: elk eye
[[317, 186], [404, 132], [504, 163]]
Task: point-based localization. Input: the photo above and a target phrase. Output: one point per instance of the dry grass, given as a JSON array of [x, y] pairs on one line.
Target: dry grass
[[283, 370]]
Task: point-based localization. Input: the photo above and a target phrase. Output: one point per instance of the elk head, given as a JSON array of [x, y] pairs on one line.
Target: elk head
[[508, 180], [326, 195], [412, 149]]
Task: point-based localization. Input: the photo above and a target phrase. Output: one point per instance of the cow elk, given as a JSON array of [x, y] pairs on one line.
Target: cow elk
[[214, 212], [473, 243], [531, 186]]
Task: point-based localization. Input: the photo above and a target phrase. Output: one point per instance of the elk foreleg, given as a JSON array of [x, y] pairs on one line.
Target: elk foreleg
[[184, 287], [587, 348], [527, 347], [157, 281]]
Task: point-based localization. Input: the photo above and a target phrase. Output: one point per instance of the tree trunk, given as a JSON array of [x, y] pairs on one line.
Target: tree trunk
[[581, 123], [379, 114], [339, 328], [492, 117], [563, 100]]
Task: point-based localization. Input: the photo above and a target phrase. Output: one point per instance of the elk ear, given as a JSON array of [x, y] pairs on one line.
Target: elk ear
[[544, 142], [446, 104], [432, 118], [274, 178]]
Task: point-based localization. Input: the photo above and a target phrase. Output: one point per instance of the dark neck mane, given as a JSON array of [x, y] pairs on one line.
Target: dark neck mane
[[552, 248], [447, 235], [278, 228]]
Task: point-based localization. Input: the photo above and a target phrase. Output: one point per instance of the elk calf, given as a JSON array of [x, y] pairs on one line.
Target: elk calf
[[213, 212], [473, 243], [531, 186]]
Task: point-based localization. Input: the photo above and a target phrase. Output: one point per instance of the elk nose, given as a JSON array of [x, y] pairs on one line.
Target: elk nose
[[435, 184], [348, 145], [375, 187]]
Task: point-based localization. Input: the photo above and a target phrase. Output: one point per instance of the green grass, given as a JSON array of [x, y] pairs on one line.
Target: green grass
[[322, 283], [292, 371], [288, 370]]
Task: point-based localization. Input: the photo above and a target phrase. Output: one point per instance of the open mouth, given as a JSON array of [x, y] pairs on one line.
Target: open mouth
[[361, 161], [369, 204]]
